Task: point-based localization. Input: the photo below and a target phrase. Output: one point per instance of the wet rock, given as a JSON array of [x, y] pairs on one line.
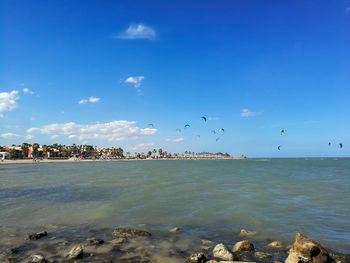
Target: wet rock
[[307, 250], [245, 232], [276, 244], [207, 242], [37, 236], [262, 255], [174, 230], [94, 242], [36, 259], [220, 251], [197, 258], [76, 252], [129, 232], [117, 241], [244, 245]]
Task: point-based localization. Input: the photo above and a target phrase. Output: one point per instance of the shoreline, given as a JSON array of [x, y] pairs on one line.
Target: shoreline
[[76, 160], [145, 244]]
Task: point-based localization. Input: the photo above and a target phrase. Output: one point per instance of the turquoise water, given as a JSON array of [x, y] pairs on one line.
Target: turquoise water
[[215, 198]]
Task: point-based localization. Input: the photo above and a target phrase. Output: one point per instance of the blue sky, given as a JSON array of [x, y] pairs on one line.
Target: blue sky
[[98, 72]]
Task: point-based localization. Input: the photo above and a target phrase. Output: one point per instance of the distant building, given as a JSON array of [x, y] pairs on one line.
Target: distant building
[[4, 156]]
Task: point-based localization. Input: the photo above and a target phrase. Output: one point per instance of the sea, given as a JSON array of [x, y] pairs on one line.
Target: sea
[[206, 199]]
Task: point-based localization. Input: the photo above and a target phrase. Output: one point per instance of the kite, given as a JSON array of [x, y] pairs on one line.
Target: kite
[[329, 144], [279, 147], [178, 130], [221, 130], [187, 126], [282, 132], [340, 145], [204, 118]]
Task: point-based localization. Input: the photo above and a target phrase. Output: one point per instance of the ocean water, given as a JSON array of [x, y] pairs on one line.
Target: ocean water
[[205, 198]]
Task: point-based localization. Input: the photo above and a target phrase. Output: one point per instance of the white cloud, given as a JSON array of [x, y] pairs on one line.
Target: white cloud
[[27, 91], [135, 80], [118, 130], [10, 135], [8, 101], [175, 140], [248, 113], [54, 136], [92, 99], [138, 31], [142, 147]]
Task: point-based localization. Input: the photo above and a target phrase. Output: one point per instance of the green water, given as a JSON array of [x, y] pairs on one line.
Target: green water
[[213, 198]]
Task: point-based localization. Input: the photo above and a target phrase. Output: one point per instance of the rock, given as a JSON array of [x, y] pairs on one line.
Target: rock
[[197, 258], [245, 232], [220, 251], [262, 255], [207, 242], [37, 236], [276, 244], [307, 250], [94, 242], [129, 232], [174, 230], [244, 245], [36, 259], [76, 252], [11, 260], [212, 261], [117, 241]]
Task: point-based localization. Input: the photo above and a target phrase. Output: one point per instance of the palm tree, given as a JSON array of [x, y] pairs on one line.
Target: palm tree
[[160, 151]]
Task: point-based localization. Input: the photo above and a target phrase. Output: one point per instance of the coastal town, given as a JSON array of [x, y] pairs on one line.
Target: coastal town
[[89, 152]]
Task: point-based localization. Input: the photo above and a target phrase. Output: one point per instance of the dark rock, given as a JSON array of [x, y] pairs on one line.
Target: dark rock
[[37, 236], [76, 252], [129, 232], [94, 242], [244, 245], [307, 250], [11, 260], [197, 258]]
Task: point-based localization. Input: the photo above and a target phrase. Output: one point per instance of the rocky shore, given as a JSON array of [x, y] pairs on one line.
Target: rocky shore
[[65, 244]]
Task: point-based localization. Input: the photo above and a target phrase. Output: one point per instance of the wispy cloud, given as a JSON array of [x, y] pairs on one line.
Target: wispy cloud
[[92, 99], [28, 91], [138, 31], [248, 113], [175, 140], [10, 135], [142, 147], [213, 118], [136, 81], [8, 101], [118, 130]]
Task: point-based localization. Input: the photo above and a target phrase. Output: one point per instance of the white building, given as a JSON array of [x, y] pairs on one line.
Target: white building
[[4, 156]]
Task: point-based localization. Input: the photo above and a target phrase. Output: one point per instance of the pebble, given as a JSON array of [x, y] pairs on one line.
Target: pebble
[[244, 245], [76, 252], [197, 258], [174, 230], [36, 259], [275, 244]]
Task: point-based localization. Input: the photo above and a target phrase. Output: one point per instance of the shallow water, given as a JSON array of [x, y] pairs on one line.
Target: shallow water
[[206, 198]]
